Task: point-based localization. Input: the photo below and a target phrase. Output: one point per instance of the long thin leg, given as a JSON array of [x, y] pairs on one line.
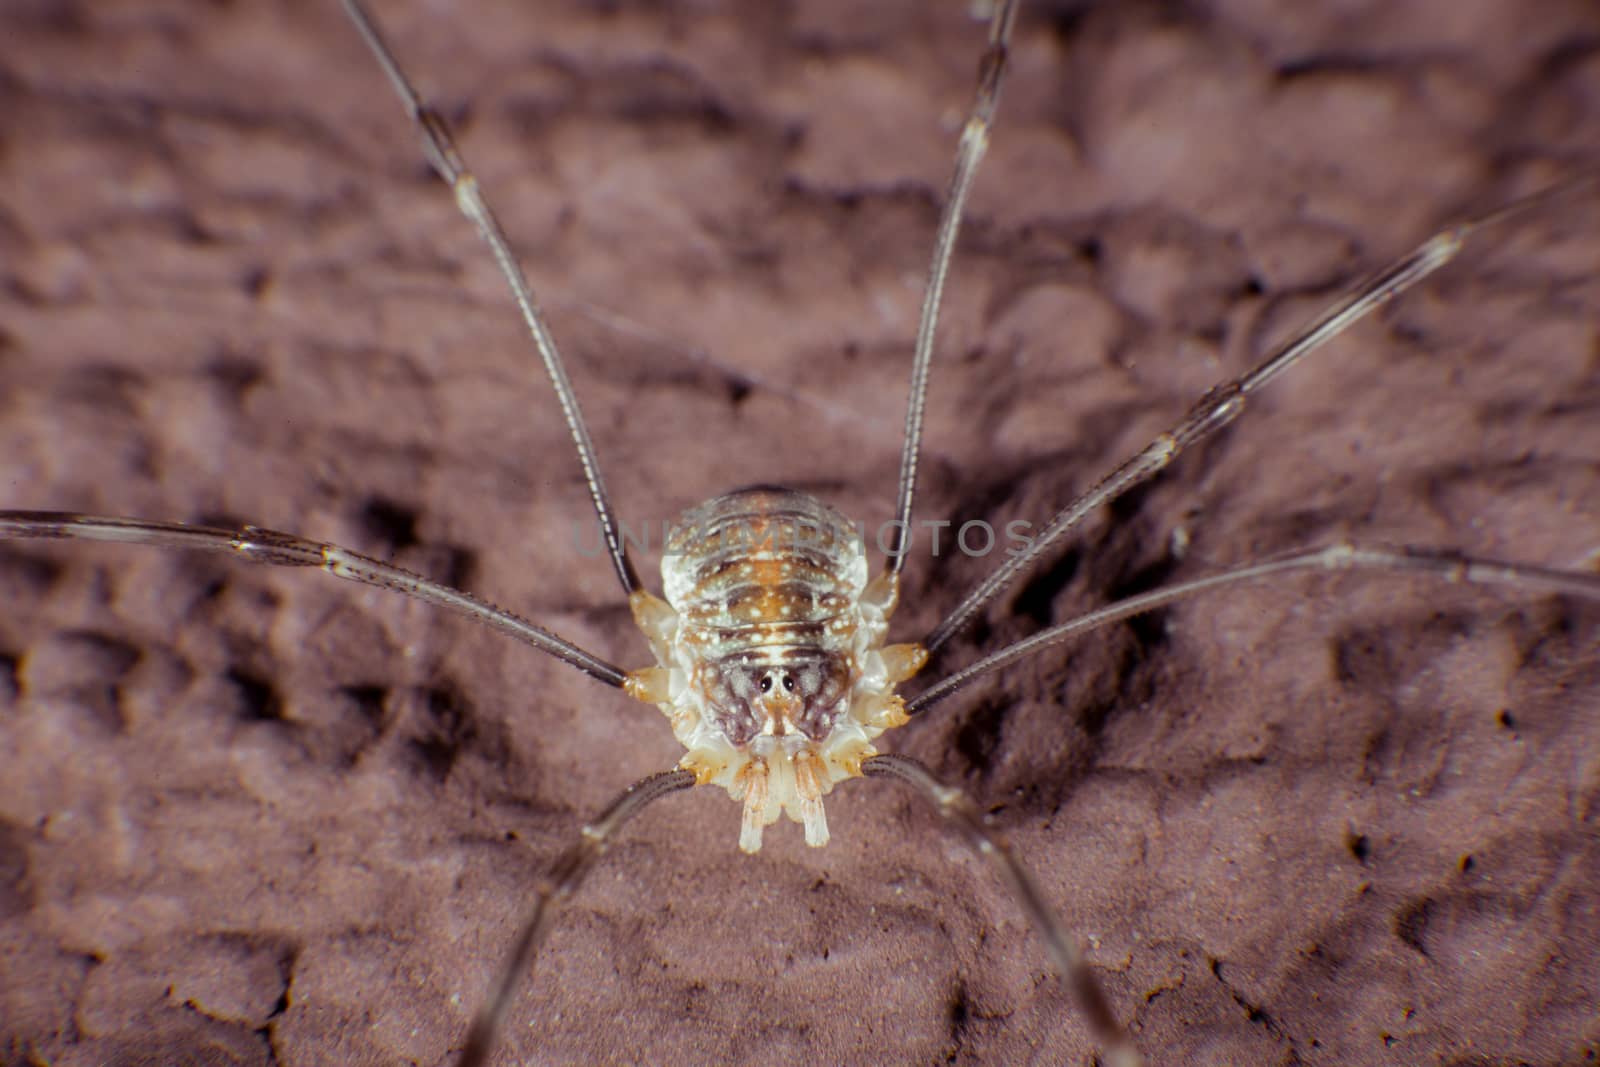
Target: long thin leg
[[286, 550], [974, 142], [555, 888], [957, 812], [1226, 402], [1339, 557], [446, 159]]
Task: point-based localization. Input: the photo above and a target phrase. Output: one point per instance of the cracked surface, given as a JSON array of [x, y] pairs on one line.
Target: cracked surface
[[254, 817]]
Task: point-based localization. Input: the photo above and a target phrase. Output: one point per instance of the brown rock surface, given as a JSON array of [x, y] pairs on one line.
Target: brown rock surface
[[251, 816]]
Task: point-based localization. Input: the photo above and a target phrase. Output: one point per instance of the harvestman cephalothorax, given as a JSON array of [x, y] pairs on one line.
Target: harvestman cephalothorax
[[796, 738]]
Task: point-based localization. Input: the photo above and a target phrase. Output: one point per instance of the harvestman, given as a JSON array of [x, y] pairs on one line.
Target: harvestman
[[771, 662]]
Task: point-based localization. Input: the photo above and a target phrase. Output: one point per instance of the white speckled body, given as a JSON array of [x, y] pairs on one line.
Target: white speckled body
[[772, 667]]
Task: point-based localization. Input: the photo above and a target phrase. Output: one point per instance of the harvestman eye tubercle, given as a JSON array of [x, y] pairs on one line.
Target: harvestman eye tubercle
[[771, 657]]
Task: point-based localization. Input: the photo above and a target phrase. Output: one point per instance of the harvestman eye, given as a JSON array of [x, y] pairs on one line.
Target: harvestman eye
[[771, 662]]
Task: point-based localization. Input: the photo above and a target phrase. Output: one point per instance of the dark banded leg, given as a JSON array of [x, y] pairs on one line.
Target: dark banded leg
[[1444, 566], [555, 888], [287, 550], [446, 160], [959, 815], [974, 142], [1226, 402]]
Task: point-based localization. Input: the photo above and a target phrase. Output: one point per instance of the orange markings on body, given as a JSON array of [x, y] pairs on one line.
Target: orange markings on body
[[777, 597]]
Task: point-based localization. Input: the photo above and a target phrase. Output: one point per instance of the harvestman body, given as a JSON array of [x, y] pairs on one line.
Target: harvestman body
[[772, 665]]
